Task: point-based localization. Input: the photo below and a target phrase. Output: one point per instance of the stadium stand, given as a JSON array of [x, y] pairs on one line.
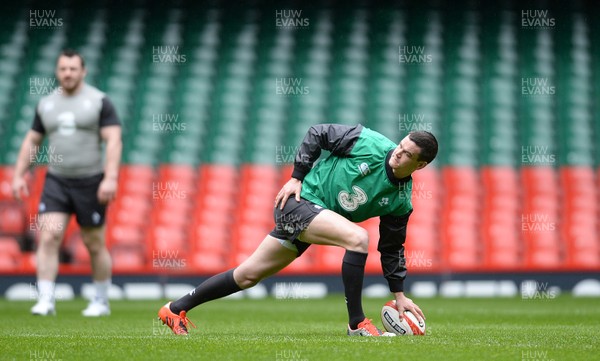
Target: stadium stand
[[215, 99]]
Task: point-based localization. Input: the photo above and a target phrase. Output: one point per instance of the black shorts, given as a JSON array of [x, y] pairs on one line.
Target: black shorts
[[74, 196], [292, 220]]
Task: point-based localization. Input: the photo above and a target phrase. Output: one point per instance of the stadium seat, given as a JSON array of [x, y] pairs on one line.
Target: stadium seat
[[499, 226], [6, 176], [460, 220], [580, 222], [125, 234], [329, 259], [127, 259], [13, 220], [307, 263], [136, 179], [208, 263], [8, 264], [9, 248]]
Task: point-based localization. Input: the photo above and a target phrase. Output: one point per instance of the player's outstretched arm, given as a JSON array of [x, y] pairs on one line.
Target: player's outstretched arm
[[392, 235]]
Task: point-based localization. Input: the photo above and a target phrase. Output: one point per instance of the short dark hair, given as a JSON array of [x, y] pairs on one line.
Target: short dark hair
[[69, 53], [427, 142]]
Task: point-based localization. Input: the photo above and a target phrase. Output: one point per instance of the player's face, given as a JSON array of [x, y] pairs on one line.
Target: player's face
[[405, 157], [70, 73]]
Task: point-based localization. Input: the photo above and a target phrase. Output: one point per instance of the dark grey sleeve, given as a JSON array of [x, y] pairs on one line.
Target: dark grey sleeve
[[392, 235], [37, 124], [108, 114], [336, 138]]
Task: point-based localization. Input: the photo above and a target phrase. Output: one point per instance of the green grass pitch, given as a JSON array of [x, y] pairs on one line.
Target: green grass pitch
[[561, 328]]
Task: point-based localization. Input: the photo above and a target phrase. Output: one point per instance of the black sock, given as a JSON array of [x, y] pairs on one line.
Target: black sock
[[353, 271], [217, 286]]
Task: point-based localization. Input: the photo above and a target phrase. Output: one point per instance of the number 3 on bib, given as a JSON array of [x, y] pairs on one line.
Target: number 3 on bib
[[350, 202]]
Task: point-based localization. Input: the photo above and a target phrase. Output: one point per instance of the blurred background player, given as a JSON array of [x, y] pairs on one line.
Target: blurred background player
[[76, 118], [366, 175]]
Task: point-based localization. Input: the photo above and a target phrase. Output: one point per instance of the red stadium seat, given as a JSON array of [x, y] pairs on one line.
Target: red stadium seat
[[13, 220], [303, 264], [285, 173], [329, 259], [125, 234], [8, 264], [137, 172], [579, 226], [9, 247], [500, 227], [6, 176], [181, 172], [460, 179], [128, 259], [173, 214], [165, 237], [219, 178], [210, 263], [136, 180], [539, 221], [130, 217], [212, 240]]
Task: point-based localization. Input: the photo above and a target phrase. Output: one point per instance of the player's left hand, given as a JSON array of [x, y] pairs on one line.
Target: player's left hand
[[107, 191], [404, 303]]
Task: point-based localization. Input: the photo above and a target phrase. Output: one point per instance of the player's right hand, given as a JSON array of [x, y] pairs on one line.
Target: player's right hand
[[293, 186], [19, 187]]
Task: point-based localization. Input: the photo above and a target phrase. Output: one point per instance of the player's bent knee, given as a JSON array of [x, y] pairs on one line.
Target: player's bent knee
[[245, 279], [359, 240]]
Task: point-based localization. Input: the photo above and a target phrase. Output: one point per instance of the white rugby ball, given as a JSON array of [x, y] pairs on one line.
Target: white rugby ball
[[410, 325]]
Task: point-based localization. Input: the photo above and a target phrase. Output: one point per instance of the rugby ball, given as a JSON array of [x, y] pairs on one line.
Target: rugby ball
[[410, 325]]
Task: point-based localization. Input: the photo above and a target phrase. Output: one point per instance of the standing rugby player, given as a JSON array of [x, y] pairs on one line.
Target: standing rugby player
[[76, 118]]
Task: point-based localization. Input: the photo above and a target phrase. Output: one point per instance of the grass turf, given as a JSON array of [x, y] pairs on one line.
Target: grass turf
[[561, 328]]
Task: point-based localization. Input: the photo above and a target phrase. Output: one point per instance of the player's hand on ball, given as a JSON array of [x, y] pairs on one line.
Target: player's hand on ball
[[293, 186], [404, 303], [107, 190]]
